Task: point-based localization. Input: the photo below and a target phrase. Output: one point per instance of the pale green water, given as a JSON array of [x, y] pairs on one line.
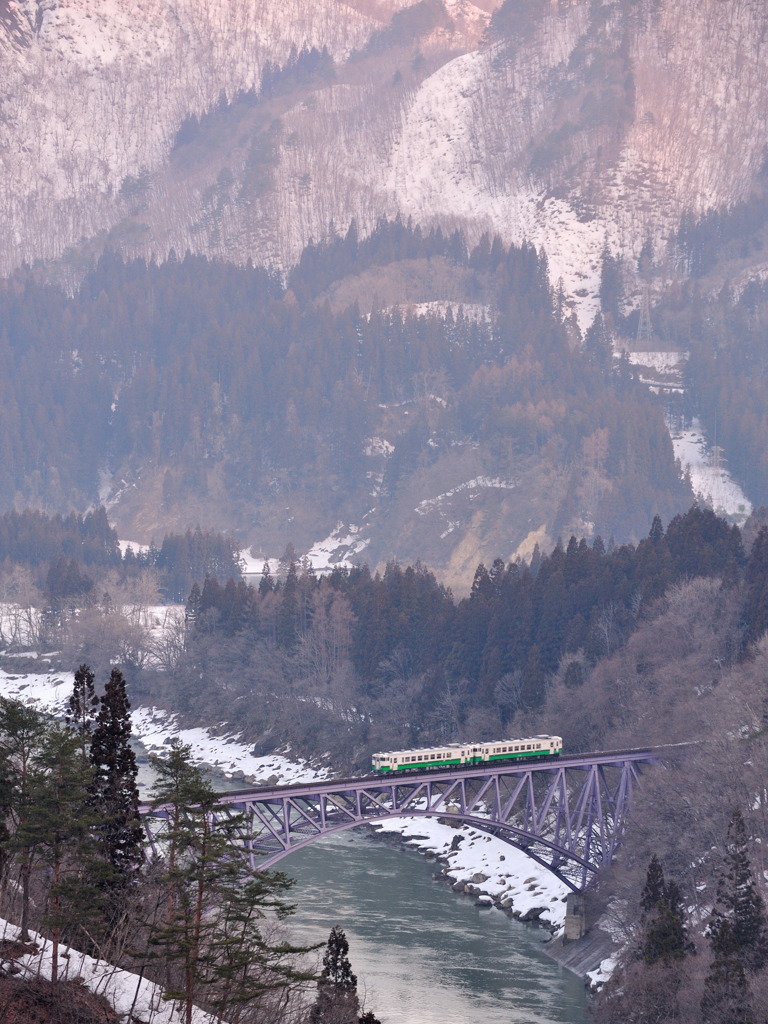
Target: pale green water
[[422, 953]]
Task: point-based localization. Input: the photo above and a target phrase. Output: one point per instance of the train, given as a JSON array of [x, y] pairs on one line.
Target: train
[[456, 755]]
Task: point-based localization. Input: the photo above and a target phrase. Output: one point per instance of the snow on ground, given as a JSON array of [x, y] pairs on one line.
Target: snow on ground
[[344, 543], [498, 872], [477, 484], [134, 998], [439, 166], [48, 692], [601, 974], [227, 754], [133, 545], [378, 446], [253, 564], [661, 362], [474, 311], [339, 548], [712, 483]]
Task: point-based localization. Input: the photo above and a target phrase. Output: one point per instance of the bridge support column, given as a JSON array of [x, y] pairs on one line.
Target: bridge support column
[[575, 917]]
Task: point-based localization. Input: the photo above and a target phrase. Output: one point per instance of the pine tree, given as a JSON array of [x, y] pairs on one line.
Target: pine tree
[[114, 791], [337, 1001], [208, 934], [738, 925], [81, 709]]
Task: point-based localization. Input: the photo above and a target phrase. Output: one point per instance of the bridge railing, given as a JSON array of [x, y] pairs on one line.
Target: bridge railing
[[567, 813]]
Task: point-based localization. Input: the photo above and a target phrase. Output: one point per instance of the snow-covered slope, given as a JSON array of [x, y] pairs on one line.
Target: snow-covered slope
[[601, 124]]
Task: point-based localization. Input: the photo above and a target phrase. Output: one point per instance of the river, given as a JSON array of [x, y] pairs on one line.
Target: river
[[422, 953]]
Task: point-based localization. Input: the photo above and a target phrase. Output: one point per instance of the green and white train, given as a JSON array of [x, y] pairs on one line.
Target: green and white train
[[454, 755]]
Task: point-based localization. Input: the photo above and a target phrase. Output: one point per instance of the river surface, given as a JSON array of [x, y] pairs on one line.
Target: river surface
[[422, 953]]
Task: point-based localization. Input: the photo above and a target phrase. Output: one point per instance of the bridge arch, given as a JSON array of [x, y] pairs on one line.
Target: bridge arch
[[567, 814], [506, 833]]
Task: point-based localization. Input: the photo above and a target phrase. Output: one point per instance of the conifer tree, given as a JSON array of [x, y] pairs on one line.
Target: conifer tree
[[337, 1000], [738, 925], [726, 998], [115, 794], [653, 890], [61, 824], [82, 707], [665, 937], [21, 732], [208, 933]]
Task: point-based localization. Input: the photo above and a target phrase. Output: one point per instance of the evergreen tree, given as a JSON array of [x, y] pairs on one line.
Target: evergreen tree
[[114, 792], [738, 926], [81, 709], [665, 937], [207, 933], [726, 998], [61, 824], [653, 890], [21, 732], [337, 1001], [756, 610]]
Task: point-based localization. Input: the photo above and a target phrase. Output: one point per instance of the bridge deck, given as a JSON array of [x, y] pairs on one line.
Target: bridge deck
[[567, 813]]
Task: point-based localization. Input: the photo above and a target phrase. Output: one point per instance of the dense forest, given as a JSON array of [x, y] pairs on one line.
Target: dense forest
[[607, 645], [67, 555], [726, 371], [392, 659], [194, 386]]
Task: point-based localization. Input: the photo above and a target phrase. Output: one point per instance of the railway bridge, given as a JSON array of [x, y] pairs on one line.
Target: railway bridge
[[566, 813]]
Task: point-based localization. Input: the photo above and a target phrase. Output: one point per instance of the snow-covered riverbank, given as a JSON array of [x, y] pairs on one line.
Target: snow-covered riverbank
[[489, 869]]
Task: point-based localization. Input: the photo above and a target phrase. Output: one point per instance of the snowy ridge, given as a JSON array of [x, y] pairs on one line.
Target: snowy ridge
[[95, 90]]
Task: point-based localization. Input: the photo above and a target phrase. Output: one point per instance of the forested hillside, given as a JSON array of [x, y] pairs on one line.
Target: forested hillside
[[197, 393], [391, 659]]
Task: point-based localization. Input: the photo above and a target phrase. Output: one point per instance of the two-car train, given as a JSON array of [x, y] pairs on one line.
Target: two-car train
[[453, 755]]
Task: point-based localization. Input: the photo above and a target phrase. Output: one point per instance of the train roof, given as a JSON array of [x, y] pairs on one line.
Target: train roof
[[435, 748]]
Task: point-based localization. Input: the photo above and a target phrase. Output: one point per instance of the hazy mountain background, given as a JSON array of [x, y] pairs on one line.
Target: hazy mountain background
[[330, 270]]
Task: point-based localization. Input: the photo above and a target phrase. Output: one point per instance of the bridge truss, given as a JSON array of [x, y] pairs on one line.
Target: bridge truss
[[568, 814]]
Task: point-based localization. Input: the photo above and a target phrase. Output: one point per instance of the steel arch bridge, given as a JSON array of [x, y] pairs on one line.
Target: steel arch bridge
[[568, 814]]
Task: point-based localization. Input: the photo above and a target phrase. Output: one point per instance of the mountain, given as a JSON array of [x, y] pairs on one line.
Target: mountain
[[603, 134], [566, 122]]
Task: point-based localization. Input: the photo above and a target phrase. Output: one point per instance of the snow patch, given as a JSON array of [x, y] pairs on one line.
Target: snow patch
[[133, 997], [340, 548], [661, 362], [226, 754], [511, 878], [711, 481], [477, 484]]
